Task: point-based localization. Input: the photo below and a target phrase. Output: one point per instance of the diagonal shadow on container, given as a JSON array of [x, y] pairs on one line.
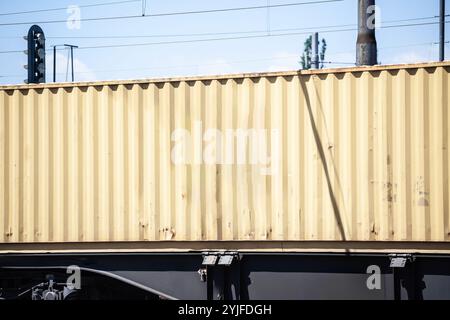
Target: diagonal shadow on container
[[321, 151]]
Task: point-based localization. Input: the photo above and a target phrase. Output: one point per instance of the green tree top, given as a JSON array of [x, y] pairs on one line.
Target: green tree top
[[306, 58]]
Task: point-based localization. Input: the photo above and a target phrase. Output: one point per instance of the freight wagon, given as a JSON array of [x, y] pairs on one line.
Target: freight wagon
[[324, 184]]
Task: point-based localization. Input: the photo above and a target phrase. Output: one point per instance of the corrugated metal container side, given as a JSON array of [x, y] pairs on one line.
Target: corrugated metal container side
[[355, 155]]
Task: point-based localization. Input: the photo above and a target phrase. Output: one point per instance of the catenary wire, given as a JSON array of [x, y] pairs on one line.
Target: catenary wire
[[65, 8], [165, 14]]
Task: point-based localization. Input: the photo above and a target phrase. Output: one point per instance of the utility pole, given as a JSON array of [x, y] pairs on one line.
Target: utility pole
[[366, 44], [315, 51], [71, 57], [54, 63], [71, 46], [442, 31]]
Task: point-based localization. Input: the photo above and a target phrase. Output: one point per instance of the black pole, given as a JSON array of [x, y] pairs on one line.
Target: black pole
[[315, 50], [54, 63], [366, 44], [36, 55], [442, 31], [71, 58]]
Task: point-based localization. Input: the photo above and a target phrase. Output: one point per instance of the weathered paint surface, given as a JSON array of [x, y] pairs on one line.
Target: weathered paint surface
[[355, 155]]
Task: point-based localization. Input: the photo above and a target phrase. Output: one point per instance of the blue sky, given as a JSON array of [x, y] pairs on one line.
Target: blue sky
[[396, 45]]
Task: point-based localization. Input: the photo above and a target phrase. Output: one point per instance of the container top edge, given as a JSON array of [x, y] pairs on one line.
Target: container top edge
[[227, 76]]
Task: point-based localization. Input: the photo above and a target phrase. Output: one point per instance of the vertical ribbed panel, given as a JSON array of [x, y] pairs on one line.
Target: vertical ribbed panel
[[359, 155]]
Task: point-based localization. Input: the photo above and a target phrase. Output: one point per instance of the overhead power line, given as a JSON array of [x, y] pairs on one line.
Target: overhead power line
[[206, 39], [229, 38], [223, 33], [191, 40], [65, 8], [412, 25], [234, 62], [200, 34], [177, 66], [165, 14], [195, 34], [236, 38]]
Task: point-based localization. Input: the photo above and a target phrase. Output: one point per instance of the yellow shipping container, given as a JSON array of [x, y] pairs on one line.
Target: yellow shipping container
[[356, 155]]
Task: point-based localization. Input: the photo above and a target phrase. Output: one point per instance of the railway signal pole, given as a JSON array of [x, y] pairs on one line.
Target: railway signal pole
[[36, 55]]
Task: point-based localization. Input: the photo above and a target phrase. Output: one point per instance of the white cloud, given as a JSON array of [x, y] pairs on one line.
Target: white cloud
[[217, 66], [285, 61], [81, 70], [410, 57]]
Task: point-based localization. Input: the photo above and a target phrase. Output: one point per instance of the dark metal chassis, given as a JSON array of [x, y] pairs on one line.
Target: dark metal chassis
[[252, 275]]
